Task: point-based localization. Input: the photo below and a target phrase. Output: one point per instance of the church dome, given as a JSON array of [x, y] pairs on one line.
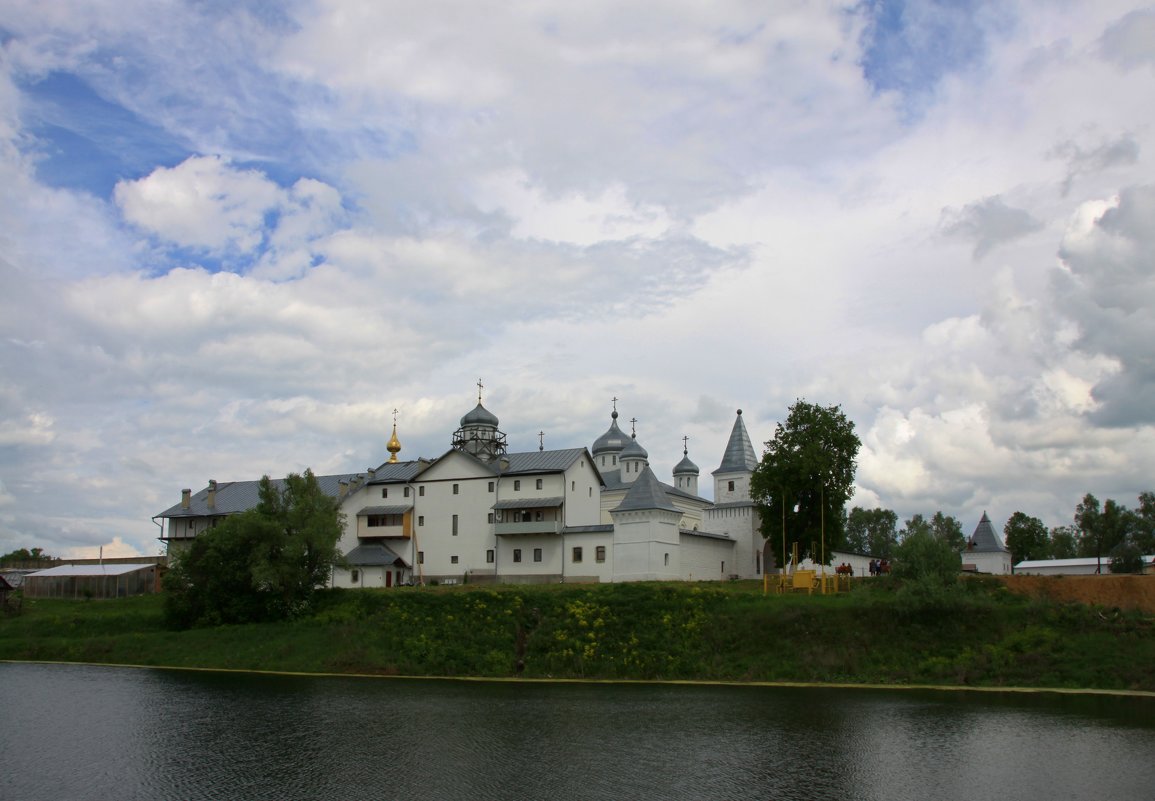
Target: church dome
[[686, 467], [612, 441], [633, 450], [480, 416]]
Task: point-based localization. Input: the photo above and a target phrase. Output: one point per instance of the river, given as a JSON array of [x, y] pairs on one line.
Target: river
[[102, 733]]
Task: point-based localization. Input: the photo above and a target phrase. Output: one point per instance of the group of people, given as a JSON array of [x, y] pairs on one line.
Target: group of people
[[844, 569], [879, 567]]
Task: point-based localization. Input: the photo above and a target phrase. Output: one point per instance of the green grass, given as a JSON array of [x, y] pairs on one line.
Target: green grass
[[977, 635]]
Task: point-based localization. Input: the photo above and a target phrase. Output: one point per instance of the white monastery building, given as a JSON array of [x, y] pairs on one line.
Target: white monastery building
[[481, 514]]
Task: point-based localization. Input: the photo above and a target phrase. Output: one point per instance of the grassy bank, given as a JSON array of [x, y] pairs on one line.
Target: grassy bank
[[980, 635]]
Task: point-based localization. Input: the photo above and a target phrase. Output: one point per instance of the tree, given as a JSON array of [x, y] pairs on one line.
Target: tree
[[806, 476], [924, 557], [26, 555], [1126, 558], [1102, 528], [1064, 542], [948, 529], [872, 531], [260, 565], [1144, 523], [1026, 537]]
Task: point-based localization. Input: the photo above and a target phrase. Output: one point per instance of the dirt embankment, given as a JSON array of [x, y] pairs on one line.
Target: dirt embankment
[[1125, 592]]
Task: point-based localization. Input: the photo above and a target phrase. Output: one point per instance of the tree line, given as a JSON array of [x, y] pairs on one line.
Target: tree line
[[806, 477]]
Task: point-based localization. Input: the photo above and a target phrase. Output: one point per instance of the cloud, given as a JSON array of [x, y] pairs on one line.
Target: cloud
[[988, 223], [1130, 42], [1121, 152]]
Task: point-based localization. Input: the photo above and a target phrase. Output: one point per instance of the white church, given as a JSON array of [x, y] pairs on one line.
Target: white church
[[479, 513]]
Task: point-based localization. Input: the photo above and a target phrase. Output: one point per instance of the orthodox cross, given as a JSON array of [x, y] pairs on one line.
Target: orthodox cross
[[634, 427], [685, 446], [480, 387], [541, 440], [394, 417], [615, 400]]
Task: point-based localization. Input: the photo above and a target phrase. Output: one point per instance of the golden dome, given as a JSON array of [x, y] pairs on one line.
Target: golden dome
[[394, 446]]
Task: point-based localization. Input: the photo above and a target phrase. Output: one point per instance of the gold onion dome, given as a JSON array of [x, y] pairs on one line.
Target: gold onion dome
[[394, 446]]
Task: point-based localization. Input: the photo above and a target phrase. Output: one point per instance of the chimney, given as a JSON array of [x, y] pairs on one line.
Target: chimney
[[212, 499], [185, 499], [372, 472]]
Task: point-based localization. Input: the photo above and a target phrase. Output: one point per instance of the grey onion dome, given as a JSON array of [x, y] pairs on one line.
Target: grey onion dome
[[685, 466], [612, 441], [480, 416], [633, 450]]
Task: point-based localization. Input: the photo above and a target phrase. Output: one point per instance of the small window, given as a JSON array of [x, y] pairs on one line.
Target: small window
[[421, 491], [539, 483], [490, 519], [406, 492], [384, 492], [577, 554], [537, 554], [537, 515], [489, 556], [600, 553], [517, 485], [456, 489], [421, 520], [491, 486], [354, 575], [455, 525], [517, 554], [453, 560], [730, 486], [667, 560], [421, 557], [572, 486], [591, 492], [615, 458]]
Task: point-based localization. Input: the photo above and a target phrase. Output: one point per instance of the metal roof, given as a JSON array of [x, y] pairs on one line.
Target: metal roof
[[542, 461], [529, 503], [739, 456], [89, 570], [240, 496], [612, 479], [596, 528], [399, 509], [645, 493], [372, 554], [397, 472], [984, 540], [708, 535]]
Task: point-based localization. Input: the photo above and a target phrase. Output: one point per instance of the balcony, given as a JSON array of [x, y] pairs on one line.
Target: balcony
[[528, 527]]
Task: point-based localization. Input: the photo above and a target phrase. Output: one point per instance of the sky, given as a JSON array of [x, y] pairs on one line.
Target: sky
[[236, 236]]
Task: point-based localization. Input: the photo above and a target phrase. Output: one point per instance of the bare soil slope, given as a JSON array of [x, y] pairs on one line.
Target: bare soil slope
[[1125, 592]]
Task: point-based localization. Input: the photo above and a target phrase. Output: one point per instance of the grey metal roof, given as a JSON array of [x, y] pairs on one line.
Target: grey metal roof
[[529, 503], [739, 455], [985, 540], [542, 461], [612, 441], [596, 528], [646, 493], [708, 535], [398, 509], [612, 479], [734, 505], [373, 554], [90, 570], [240, 496], [397, 472]]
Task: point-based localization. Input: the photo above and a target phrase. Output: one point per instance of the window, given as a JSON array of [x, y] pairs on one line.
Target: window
[[577, 554], [591, 492], [730, 486], [537, 554], [600, 553], [354, 575], [376, 521], [406, 492], [517, 485], [572, 486], [421, 557], [421, 490], [517, 554], [489, 556], [667, 560], [537, 515], [453, 560], [455, 525], [384, 492], [421, 520], [539, 483], [490, 518], [456, 487], [491, 486], [615, 458]]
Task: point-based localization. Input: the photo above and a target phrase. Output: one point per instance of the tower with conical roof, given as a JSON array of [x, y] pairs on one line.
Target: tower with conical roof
[[732, 478], [646, 535], [985, 552], [478, 434]]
